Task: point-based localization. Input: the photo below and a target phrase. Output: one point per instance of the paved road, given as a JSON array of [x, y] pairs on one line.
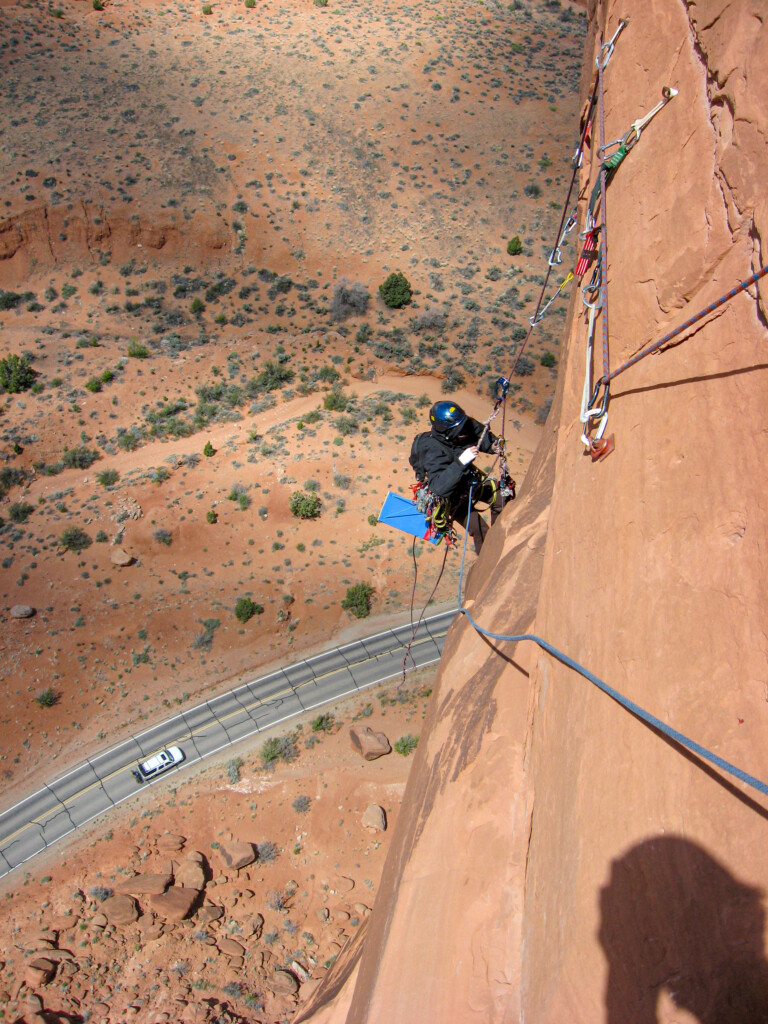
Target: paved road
[[105, 780]]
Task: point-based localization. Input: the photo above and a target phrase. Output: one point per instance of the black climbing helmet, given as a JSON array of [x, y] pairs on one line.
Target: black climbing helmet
[[447, 417]]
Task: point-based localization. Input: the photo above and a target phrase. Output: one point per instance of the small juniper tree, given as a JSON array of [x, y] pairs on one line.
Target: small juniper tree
[[358, 600], [304, 505], [396, 290], [514, 246]]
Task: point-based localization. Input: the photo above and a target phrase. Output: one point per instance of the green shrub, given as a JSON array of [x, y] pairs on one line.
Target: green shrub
[[301, 804], [68, 290], [9, 300], [323, 723], [209, 450], [514, 246], [304, 505], [245, 609], [211, 517], [20, 511], [406, 744], [93, 385], [396, 290], [207, 9], [533, 191], [373, 520], [137, 351], [358, 600], [79, 458], [277, 749], [524, 367], [232, 768], [108, 477], [197, 305], [98, 5], [250, 4], [16, 374], [74, 539], [335, 400], [548, 359], [274, 376], [163, 537]]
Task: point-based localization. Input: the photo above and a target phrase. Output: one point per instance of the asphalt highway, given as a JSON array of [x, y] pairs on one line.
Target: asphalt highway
[[100, 783]]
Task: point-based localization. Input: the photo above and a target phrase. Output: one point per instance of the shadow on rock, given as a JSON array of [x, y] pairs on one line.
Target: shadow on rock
[[672, 918]]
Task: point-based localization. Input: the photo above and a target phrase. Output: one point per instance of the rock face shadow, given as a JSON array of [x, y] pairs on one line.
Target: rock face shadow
[[672, 918]]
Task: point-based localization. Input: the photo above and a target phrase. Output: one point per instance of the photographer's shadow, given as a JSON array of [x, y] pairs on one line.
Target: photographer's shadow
[[673, 919]]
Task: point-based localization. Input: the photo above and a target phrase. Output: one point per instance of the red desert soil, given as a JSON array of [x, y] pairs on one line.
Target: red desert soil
[[310, 886], [184, 196]]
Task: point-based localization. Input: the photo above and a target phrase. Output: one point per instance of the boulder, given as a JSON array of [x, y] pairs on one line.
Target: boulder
[[343, 884], [39, 971], [361, 909], [120, 910], [237, 854], [145, 885], [175, 903], [230, 948], [368, 743], [120, 557], [209, 914], [22, 611], [257, 925], [169, 843], [285, 982], [375, 818], [190, 875]]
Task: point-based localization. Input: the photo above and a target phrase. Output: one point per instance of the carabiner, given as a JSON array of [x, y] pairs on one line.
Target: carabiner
[[502, 388], [609, 46]]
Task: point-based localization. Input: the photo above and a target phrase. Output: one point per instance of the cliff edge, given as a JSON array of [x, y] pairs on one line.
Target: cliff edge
[[556, 858]]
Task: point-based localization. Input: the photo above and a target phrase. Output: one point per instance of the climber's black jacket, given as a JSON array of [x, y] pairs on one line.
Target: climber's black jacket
[[435, 459]]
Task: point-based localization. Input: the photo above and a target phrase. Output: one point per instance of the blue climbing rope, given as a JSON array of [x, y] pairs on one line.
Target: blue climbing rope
[[625, 702]]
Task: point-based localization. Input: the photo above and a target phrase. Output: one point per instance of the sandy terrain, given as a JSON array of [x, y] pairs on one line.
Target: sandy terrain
[[217, 170], [313, 883]]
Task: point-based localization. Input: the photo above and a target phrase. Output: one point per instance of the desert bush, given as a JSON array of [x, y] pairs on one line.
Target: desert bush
[[335, 400], [98, 5], [514, 246], [396, 290], [350, 298], [273, 376], [207, 9], [16, 374], [47, 698], [524, 367], [137, 351], [79, 458], [267, 851], [163, 536], [277, 900], [532, 190], [108, 477], [100, 893], [209, 450], [211, 517], [282, 748], [323, 723], [431, 319], [9, 300], [232, 768], [93, 385], [20, 511], [453, 379], [406, 744], [250, 4], [548, 359], [245, 609], [301, 804], [358, 600], [328, 374], [74, 539], [304, 505], [241, 496]]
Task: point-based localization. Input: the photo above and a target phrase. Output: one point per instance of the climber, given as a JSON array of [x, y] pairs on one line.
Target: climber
[[442, 460]]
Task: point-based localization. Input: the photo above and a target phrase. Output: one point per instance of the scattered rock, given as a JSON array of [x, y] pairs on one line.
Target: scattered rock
[[257, 926], [230, 948], [120, 910], [176, 903], [121, 557], [237, 855], [22, 611], [285, 982], [34, 1002], [190, 875], [375, 818], [322, 914], [39, 972], [361, 909], [98, 921], [169, 843], [145, 885], [210, 913], [343, 884], [369, 743]]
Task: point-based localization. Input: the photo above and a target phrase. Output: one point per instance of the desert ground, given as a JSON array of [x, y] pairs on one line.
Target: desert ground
[[199, 209]]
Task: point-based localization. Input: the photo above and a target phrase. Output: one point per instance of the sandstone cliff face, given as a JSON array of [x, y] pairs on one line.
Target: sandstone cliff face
[[556, 859]]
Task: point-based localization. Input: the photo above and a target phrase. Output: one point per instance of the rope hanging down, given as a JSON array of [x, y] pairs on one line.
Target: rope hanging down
[[625, 702]]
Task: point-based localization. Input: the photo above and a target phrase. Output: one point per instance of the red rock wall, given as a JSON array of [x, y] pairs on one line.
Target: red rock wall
[[556, 859]]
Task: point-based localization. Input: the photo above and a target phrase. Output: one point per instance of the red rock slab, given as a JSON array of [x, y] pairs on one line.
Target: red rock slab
[[175, 904], [368, 743], [120, 910], [237, 854], [39, 972], [145, 885]]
